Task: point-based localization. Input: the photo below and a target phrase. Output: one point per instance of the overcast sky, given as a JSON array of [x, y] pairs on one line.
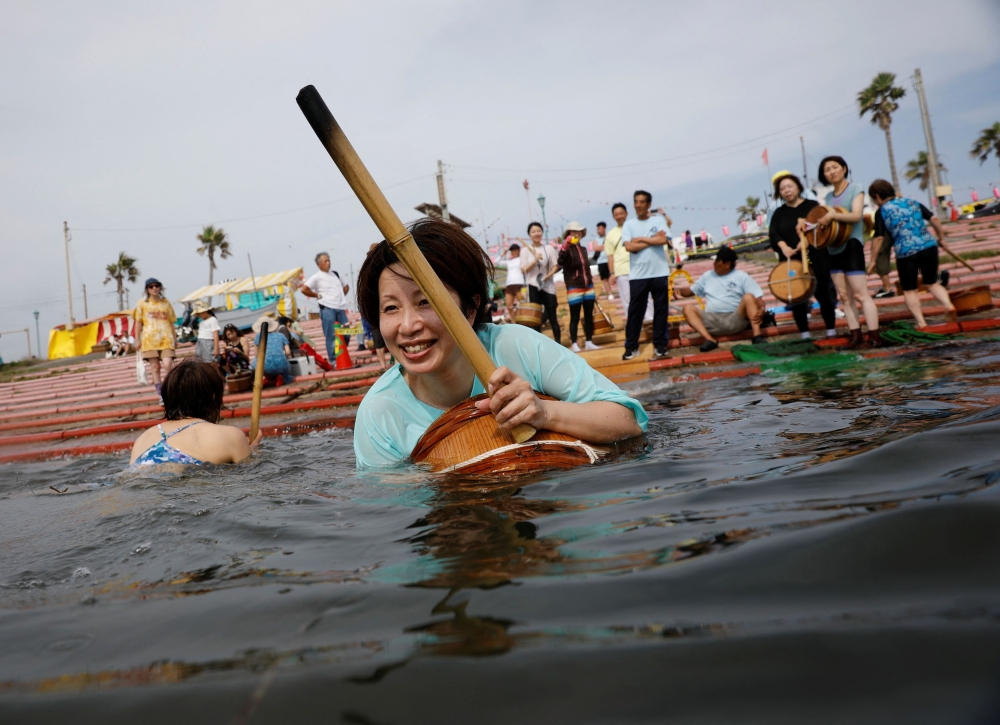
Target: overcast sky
[[158, 118]]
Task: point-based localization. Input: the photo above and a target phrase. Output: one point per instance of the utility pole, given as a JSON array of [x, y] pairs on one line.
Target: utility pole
[[38, 334], [86, 315], [933, 167], [69, 282], [442, 198], [805, 172]]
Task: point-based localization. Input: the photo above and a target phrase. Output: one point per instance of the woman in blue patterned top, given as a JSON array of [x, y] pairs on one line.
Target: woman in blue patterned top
[[902, 223]]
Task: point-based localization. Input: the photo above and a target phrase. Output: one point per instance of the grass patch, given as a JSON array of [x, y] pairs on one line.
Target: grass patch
[[979, 254]]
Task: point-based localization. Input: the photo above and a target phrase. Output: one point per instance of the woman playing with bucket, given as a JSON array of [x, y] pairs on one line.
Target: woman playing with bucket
[[433, 375], [847, 261]]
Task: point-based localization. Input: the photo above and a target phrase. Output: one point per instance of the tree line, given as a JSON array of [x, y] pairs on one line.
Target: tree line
[[212, 242]]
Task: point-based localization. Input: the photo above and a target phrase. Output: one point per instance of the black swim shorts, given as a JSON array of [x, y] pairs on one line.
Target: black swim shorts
[[925, 261], [851, 261]]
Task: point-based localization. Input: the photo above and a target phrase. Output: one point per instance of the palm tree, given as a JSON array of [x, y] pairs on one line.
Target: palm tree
[[749, 211], [987, 143], [919, 169], [121, 270], [879, 100], [213, 240]]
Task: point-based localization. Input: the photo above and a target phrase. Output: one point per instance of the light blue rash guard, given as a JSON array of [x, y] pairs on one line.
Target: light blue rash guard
[[391, 420]]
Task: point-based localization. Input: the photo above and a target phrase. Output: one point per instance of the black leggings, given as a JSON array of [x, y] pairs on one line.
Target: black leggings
[[588, 320], [819, 265], [548, 301]]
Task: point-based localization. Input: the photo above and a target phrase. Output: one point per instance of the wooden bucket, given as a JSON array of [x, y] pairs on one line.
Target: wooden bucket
[[830, 236], [790, 283], [529, 314], [239, 382], [466, 440], [602, 322], [971, 299]]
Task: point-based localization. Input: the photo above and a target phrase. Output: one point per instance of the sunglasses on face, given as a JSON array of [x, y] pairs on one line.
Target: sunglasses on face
[[155, 286]]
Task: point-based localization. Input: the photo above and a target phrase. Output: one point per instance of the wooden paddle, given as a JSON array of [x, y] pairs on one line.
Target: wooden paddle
[[400, 240], [258, 383], [945, 247]]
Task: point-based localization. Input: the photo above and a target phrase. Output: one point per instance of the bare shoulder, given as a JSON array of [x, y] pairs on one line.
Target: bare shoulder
[[144, 441], [228, 443]]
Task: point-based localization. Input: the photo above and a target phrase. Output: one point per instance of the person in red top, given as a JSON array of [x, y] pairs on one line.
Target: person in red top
[[579, 285]]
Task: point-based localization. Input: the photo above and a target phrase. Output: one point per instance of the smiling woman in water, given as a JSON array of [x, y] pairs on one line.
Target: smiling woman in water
[[433, 375]]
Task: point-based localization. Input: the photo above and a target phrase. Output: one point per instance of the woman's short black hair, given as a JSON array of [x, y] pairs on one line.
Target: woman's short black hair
[[727, 254], [234, 328], [457, 259], [534, 224], [793, 177], [839, 159], [193, 389], [882, 189]]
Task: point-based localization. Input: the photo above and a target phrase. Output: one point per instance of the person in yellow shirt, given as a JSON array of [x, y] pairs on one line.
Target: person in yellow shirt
[[618, 256], [155, 330]]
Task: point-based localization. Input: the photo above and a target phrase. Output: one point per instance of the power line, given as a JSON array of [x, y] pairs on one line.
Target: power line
[[672, 158], [248, 218]]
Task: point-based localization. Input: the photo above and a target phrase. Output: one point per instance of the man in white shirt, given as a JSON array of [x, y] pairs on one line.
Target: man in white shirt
[[331, 292], [733, 301], [645, 238]]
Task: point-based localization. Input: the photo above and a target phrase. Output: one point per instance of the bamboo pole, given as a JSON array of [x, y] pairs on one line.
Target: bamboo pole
[[400, 240], [258, 383]]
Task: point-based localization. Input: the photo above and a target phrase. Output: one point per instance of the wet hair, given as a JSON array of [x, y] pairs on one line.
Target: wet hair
[[321, 255], [515, 246], [793, 177], [234, 328], [616, 205], [649, 197], [534, 224], [839, 159], [193, 389], [726, 254], [882, 189], [284, 320], [602, 224], [454, 256]]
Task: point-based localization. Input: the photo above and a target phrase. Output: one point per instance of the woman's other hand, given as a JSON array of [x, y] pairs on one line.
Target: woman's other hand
[[512, 401], [827, 218], [256, 441]]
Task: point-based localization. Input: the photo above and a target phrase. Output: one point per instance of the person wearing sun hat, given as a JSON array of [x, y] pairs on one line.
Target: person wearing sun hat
[[207, 347], [155, 330], [579, 285]]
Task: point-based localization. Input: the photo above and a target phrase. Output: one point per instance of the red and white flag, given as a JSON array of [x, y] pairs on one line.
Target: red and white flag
[[764, 156]]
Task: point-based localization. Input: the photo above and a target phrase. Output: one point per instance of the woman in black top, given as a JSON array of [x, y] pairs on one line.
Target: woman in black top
[[785, 241]]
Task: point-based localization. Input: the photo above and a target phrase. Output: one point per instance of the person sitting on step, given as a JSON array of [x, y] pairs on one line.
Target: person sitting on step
[[192, 402], [733, 301]]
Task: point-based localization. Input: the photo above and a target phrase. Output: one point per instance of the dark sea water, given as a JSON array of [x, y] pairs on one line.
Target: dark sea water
[[817, 547]]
